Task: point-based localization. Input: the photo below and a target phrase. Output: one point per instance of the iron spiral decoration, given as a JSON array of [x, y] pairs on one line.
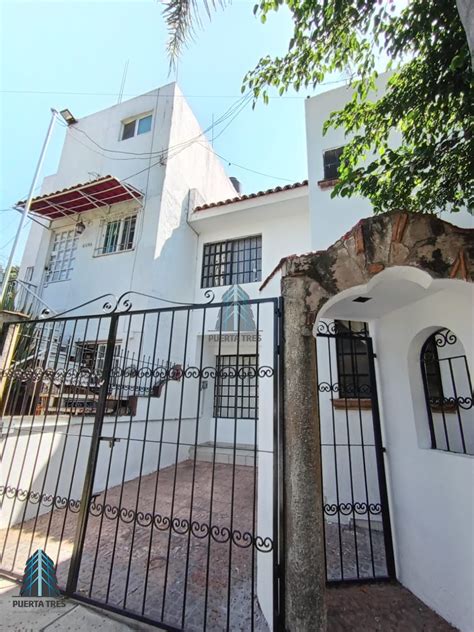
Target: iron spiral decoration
[[445, 337], [347, 509], [452, 402], [182, 526], [37, 498], [349, 390]]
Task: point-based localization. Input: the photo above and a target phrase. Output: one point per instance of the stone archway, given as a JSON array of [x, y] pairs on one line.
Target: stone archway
[[422, 242]]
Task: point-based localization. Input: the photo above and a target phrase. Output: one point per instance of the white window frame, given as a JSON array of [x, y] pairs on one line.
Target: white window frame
[[116, 244], [61, 260], [136, 120]]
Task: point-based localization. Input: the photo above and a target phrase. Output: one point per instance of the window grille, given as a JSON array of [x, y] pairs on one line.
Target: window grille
[[352, 359], [448, 393], [118, 235], [236, 387], [231, 262], [332, 160], [62, 256]]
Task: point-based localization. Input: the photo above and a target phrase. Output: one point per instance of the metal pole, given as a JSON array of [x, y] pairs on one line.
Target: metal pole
[[27, 205]]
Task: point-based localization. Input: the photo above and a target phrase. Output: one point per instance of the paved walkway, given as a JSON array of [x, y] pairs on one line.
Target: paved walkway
[[380, 608], [124, 557]]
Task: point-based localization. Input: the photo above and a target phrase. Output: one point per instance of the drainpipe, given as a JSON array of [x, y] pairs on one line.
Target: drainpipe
[[27, 205]]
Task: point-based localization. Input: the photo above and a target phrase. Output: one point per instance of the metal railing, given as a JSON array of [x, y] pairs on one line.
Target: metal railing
[[21, 296]]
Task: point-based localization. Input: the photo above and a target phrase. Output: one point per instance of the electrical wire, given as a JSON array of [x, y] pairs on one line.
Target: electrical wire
[[184, 96]]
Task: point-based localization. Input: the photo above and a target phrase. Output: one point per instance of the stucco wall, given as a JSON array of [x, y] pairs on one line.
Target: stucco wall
[[332, 217], [431, 491]]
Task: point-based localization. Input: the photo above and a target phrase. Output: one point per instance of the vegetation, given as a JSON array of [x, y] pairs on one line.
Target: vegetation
[[427, 103]]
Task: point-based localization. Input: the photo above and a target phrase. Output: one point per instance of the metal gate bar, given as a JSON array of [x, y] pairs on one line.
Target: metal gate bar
[[358, 543], [127, 431]]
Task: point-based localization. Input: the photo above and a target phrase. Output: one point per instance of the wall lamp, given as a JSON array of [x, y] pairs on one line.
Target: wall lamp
[[80, 227]]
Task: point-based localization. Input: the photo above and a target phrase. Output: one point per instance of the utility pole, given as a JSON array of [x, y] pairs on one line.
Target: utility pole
[[27, 205]]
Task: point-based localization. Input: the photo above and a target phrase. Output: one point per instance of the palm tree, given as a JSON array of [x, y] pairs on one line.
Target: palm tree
[[182, 17]]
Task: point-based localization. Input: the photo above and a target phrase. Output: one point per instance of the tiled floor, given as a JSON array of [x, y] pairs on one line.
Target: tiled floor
[[127, 563]]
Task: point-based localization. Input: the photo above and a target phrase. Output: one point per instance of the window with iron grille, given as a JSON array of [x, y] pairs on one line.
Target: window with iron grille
[[236, 387], [62, 256], [332, 159], [352, 359], [118, 235], [232, 262]]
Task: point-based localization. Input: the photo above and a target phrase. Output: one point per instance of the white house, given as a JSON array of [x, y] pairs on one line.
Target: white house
[[140, 204]]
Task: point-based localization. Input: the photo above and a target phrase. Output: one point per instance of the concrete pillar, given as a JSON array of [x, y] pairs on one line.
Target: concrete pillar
[[305, 575]]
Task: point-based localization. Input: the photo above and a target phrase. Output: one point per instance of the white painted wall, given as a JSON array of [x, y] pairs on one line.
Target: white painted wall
[[163, 240], [330, 217], [432, 501]]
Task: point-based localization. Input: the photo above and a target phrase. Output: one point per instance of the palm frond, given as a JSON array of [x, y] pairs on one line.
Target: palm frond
[[182, 18]]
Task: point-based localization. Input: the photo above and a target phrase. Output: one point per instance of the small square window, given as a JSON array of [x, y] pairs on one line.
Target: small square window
[[144, 124], [332, 159], [128, 130]]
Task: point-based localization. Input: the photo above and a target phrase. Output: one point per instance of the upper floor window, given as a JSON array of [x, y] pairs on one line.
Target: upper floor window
[[231, 262], [352, 359], [138, 125], [62, 256], [332, 159], [117, 235], [448, 393]]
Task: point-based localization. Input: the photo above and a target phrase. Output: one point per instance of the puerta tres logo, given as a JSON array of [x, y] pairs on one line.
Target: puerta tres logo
[[237, 316], [39, 579]]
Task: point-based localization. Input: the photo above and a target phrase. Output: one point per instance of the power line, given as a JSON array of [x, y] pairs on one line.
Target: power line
[[153, 96]]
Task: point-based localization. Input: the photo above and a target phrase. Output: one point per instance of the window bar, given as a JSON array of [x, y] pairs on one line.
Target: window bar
[[456, 403]]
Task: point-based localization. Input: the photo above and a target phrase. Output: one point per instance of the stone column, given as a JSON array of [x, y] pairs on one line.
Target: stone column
[[305, 574]]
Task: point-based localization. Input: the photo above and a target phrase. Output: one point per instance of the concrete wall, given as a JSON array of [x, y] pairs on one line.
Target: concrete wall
[[431, 490]]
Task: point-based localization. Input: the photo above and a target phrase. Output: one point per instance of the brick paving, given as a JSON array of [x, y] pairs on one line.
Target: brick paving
[[384, 607], [129, 549]]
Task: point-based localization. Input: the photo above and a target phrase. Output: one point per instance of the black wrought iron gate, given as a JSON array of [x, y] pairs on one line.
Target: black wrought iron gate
[[140, 452], [356, 513]]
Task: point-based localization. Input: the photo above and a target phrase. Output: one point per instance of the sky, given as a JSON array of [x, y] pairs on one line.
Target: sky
[[72, 54]]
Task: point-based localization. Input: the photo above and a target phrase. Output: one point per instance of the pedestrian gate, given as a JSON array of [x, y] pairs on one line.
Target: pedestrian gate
[[141, 453], [356, 514]]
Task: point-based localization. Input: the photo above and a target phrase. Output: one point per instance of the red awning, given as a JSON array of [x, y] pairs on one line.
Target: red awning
[[83, 197]]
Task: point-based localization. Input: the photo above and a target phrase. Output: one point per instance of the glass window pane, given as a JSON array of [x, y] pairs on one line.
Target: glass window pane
[[144, 124], [128, 130]]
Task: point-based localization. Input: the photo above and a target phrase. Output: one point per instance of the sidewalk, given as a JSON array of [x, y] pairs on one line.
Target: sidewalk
[[73, 616]]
